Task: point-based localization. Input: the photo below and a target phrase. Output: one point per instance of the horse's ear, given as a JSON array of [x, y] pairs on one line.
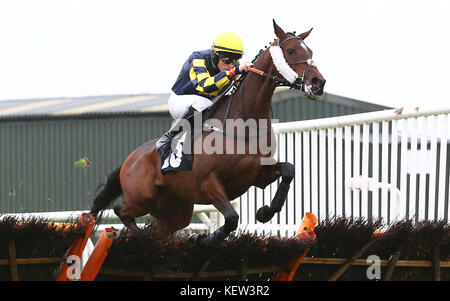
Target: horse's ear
[[278, 31], [305, 34]]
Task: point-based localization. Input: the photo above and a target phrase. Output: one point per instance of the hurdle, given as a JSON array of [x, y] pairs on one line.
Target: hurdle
[[306, 229], [86, 222], [98, 256], [95, 261]]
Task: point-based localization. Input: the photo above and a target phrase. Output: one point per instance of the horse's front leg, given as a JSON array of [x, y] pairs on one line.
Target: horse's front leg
[[216, 195], [267, 175]]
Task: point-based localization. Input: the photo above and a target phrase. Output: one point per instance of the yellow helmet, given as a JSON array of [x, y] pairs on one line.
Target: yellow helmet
[[229, 43]]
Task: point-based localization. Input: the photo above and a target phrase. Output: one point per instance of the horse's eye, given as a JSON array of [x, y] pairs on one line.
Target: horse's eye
[[290, 51]]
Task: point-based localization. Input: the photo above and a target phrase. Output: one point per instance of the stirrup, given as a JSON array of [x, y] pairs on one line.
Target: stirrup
[[163, 145]]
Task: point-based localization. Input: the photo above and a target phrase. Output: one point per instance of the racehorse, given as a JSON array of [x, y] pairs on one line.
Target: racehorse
[[217, 178]]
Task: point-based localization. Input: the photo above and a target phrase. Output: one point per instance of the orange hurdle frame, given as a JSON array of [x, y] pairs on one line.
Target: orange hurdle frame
[[306, 229], [98, 256], [87, 223]]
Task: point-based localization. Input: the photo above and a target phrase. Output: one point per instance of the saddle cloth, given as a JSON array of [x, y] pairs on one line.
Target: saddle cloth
[[178, 159]]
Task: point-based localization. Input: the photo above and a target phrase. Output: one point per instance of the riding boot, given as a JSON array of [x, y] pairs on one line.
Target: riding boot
[[163, 145]]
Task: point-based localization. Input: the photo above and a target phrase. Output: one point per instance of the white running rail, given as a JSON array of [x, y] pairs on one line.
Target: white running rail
[[390, 164], [109, 215]]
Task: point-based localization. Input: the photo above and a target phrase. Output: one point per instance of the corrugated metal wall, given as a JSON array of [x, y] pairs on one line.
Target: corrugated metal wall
[[37, 157], [37, 154]]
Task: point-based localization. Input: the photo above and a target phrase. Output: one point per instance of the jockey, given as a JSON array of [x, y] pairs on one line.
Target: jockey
[[203, 76]]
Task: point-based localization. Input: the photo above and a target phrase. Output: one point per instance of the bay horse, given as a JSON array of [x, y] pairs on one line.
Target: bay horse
[[217, 178]]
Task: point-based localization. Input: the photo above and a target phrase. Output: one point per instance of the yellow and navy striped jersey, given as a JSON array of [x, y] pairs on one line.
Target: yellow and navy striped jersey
[[200, 76]]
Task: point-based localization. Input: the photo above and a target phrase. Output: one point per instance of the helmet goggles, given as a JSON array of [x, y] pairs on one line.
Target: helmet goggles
[[227, 59]]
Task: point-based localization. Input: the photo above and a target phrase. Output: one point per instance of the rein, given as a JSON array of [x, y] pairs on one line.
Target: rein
[[278, 79]]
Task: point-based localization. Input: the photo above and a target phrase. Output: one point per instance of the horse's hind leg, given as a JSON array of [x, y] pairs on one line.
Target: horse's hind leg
[[268, 174], [127, 220]]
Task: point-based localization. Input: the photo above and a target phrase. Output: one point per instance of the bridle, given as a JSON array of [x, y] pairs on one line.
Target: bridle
[[295, 82], [289, 77]]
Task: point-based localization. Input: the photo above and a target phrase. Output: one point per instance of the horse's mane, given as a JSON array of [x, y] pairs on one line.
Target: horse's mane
[[236, 85], [239, 82]]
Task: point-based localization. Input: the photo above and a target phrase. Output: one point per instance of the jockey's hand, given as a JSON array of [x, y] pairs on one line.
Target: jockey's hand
[[243, 66]]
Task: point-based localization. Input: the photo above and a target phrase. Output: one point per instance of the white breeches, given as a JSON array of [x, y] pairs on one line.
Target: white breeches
[[178, 104]]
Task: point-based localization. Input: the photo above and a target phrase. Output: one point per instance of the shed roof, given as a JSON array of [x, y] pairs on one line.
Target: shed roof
[[139, 103], [81, 105]]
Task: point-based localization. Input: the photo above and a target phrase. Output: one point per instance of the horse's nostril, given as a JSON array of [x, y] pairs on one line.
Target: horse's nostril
[[317, 85], [317, 82]]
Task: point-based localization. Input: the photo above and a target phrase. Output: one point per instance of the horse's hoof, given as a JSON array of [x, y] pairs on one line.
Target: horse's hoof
[[264, 214], [203, 240], [195, 238]]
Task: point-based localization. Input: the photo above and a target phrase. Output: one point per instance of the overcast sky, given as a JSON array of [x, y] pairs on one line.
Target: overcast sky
[[395, 53]]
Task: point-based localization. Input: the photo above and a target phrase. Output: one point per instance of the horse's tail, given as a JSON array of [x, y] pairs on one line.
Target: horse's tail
[[111, 190]]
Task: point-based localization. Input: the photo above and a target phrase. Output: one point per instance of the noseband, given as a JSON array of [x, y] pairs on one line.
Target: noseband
[[289, 77]]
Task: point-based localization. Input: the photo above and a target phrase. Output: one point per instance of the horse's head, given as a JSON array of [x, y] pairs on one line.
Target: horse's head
[[293, 62]]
